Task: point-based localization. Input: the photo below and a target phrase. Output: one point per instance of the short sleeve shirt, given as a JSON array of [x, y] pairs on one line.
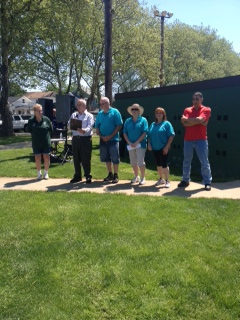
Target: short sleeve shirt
[[159, 134], [134, 129], [197, 132], [40, 132], [107, 122]]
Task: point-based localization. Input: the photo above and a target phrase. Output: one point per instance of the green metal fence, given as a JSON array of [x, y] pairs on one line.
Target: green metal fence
[[221, 95]]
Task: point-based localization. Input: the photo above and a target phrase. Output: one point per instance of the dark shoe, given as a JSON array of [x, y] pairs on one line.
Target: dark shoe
[[115, 178], [88, 180], [109, 177], [183, 184], [75, 179], [207, 187]]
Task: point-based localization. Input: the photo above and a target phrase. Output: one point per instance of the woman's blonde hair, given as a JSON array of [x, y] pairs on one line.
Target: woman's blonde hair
[[37, 107], [159, 109]]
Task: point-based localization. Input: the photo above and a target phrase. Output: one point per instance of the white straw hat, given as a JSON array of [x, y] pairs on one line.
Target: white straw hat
[[135, 106]]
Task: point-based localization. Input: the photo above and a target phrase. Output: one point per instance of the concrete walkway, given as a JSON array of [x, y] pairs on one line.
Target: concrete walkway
[[227, 190]]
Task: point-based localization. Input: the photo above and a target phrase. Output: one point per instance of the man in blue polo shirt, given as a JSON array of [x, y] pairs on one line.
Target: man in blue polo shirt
[[108, 124]]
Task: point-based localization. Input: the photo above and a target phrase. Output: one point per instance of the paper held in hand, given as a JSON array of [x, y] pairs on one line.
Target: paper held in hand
[[131, 148], [75, 124]]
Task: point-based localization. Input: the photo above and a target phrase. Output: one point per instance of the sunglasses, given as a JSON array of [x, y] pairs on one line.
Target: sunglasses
[[195, 99], [134, 109]]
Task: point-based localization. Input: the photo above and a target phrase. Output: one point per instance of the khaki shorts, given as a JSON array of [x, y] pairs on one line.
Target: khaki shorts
[[137, 157]]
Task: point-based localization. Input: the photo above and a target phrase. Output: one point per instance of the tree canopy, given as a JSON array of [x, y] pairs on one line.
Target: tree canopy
[[60, 44]]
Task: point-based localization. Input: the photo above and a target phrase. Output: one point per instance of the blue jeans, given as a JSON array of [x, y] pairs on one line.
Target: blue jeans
[[201, 149], [109, 151]]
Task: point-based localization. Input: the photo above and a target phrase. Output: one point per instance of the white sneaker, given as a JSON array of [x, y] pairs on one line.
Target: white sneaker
[[135, 179], [160, 181], [167, 184], [142, 181], [46, 177], [39, 177]]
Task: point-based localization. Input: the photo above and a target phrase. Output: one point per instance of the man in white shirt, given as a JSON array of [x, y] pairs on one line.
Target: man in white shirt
[[82, 142]]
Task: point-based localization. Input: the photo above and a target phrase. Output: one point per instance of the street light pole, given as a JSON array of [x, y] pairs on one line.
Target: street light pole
[[162, 53], [108, 48], [162, 15]]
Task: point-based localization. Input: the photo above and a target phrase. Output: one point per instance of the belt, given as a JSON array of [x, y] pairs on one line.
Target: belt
[[82, 136]]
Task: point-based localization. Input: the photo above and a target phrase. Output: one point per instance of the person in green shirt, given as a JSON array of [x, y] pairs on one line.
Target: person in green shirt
[[40, 128]]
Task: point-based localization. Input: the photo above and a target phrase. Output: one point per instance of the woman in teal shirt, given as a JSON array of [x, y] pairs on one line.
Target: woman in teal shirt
[[135, 133], [160, 137]]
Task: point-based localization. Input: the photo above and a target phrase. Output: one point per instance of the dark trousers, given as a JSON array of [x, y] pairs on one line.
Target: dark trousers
[[82, 153], [161, 158]]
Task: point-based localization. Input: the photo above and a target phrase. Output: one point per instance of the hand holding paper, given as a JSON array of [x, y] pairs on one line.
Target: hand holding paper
[[131, 148]]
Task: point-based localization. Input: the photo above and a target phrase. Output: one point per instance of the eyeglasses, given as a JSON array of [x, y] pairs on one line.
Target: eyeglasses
[[102, 104], [195, 99], [159, 113], [134, 109]]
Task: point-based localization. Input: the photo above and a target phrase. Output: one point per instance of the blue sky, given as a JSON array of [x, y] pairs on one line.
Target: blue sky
[[222, 15]]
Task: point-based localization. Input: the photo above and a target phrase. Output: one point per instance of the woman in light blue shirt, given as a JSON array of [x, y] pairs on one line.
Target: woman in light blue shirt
[[135, 133], [160, 137]]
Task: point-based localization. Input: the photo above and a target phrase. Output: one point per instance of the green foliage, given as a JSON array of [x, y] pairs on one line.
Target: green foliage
[[90, 256], [60, 44], [15, 90], [197, 53], [17, 18]]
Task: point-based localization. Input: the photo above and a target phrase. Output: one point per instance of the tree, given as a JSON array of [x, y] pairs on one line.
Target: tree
[[15, 90], [129, 81], [17, 19], [197, 53], [57, 55], [65, 48]]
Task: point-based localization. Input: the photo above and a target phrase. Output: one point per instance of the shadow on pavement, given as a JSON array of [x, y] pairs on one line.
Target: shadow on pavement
[[184, 193], [228, 190], [20, 183], [76, 186], [226, 185], [146, 189], [117, 187], [64, 187]]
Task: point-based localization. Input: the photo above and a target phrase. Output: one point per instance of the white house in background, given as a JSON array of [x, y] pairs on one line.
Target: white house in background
[[35, 96], [21, 105], [24, 104]]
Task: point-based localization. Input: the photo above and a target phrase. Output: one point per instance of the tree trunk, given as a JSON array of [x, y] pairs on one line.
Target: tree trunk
[[7, 126]]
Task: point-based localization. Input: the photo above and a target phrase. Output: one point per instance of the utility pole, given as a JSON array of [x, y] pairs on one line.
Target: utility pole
[[163, 15], [108, 48]]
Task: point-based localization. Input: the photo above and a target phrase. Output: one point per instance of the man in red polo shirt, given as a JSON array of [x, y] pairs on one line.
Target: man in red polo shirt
[[195, 120]]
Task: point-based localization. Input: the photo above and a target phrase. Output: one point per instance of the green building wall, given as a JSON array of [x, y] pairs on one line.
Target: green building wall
[[221, 95]]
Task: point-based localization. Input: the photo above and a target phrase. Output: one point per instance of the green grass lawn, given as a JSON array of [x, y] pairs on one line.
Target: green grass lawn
[[20, 163], [89, 256], [70, 256], [15, 139]]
